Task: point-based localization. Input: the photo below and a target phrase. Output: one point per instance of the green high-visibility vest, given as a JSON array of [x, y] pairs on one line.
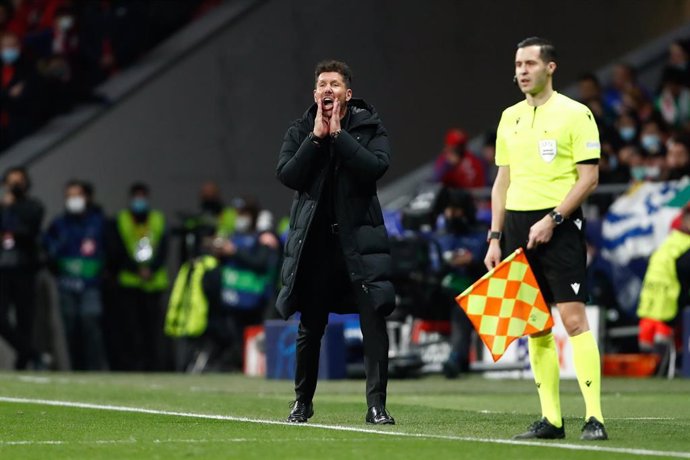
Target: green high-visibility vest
[[187, 314], [226, 222], [132, 233], [661, 288]]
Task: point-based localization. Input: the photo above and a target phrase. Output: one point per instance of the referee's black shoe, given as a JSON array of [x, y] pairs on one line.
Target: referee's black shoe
[[301, 411], [378, 415], [594, 430], [542, 429]]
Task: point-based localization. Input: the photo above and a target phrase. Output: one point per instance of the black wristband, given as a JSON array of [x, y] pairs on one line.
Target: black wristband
[[314, 139], [491, 235]]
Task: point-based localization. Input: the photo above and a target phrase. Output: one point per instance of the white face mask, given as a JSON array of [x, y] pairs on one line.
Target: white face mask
[[75, 204], [65, 22], [265, 221], [243, 224]]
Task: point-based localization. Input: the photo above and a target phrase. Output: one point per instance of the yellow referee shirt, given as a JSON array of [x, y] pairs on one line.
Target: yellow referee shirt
[[541, 146]]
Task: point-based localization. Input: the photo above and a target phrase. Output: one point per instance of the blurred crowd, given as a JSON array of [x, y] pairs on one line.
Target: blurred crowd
[[127, 303], [112, 277], [645, 132], [54, 53], [645, 137]]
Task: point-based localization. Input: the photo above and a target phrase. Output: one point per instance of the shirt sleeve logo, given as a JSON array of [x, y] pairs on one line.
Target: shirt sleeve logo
[[548, 149]]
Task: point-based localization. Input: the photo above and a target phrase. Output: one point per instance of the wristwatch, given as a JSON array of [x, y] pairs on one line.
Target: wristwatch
[[313, 139], [556, 216], [493, 235]]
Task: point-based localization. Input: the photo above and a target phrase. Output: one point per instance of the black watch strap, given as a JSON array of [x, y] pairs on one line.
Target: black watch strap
[[313, 139], [493, 235], [556, 216]]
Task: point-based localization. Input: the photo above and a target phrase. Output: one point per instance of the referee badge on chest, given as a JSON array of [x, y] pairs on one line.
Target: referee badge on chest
[[548, 149]]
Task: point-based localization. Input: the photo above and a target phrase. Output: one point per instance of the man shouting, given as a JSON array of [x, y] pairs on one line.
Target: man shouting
[[336, 257]]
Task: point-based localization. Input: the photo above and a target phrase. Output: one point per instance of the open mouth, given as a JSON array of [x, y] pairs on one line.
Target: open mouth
[[327, 103]]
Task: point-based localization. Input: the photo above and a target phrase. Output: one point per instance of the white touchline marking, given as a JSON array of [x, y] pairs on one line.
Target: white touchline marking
[[141, 410], [158, 441], [640, 418]]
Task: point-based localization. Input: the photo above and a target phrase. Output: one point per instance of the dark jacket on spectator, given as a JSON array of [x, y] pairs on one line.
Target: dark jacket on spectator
[[110, 28], [18, 113], [20, 222], [360, 156]]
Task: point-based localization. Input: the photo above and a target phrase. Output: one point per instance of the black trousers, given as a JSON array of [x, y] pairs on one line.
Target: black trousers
[[460, 336], [17, 290], [325, 280], [138, 331], [225, 332]]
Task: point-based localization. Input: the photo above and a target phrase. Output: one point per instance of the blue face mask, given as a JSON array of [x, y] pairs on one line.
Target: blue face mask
[[9, 55], [651, 143], [627, 133], [139, 205], [638, 172]]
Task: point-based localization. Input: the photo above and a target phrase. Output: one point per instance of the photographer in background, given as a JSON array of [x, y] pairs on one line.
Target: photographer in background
[[20, 226], [462, 245]]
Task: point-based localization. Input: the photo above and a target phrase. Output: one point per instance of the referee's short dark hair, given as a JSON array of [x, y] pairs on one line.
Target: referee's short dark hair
[[547, 52]]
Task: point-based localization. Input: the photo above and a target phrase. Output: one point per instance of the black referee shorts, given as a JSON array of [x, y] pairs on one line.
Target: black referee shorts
[[559, 265]]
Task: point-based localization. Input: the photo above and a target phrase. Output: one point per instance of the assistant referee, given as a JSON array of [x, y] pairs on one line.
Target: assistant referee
[[547, 153]]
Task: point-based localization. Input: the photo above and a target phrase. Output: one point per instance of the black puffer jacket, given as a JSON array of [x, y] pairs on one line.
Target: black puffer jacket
[[362, 156]]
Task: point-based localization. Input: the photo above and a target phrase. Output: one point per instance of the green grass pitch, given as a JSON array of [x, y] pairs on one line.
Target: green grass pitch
[[129, 416]]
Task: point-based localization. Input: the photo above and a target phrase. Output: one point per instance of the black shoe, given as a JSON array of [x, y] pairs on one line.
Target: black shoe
[[301, 411], [542, 429], [451, 369], [379, 416], [594, 431]]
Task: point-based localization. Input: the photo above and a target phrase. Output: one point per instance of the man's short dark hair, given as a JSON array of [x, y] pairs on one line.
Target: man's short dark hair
[[17, 170], [547, 52], [75, 183], [331, 65], [588, 76], [139, 188]]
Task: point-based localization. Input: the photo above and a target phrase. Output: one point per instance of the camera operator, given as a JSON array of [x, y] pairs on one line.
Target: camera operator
[[462, 244]]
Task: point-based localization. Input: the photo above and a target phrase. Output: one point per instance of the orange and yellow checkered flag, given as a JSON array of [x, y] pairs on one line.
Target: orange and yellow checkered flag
[[506, 304]]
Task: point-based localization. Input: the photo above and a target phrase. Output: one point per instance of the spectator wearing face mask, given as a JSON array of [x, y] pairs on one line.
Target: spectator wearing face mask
[[20, 226], [240, 289], [627, 127], [138, 249], [653, 135], [75, 245], [213, 219], [18, 85], [632, 159]]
